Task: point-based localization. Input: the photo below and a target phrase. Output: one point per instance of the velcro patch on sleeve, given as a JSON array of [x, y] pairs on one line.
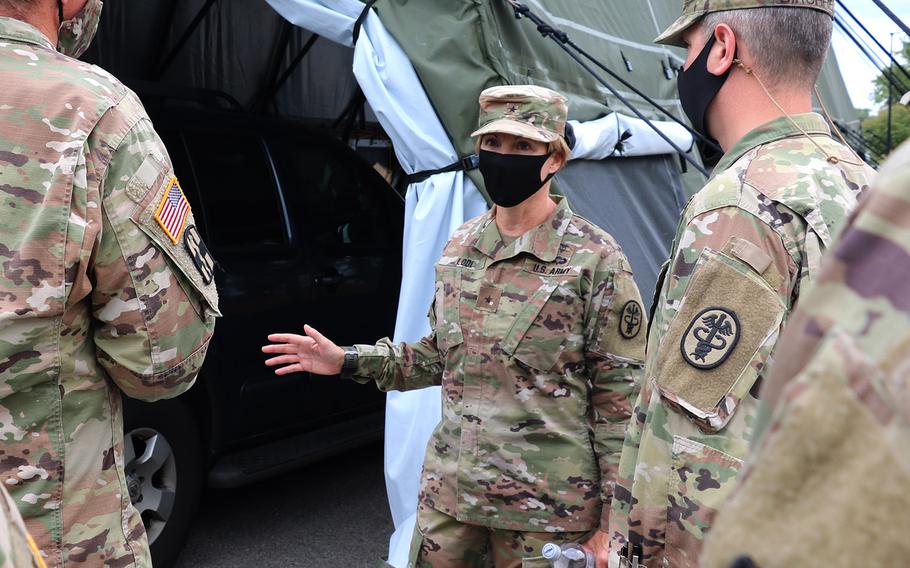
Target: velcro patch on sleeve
[[710, 350], [176, 235], [622, 322], [146, 178]]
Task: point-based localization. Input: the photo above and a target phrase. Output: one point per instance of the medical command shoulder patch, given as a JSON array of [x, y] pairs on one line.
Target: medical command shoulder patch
[[173, 211], [711, 338], [631, 320]]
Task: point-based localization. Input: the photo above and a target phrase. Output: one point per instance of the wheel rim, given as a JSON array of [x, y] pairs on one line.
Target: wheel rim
[[151, 477]]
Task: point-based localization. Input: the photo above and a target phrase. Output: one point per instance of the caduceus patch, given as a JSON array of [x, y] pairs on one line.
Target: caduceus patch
[[711, 338], [631, 319]]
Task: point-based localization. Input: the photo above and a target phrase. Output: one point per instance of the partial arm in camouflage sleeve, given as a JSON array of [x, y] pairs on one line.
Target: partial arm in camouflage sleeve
[[153, 324], [615, 329], [719, 229], [402, 367]]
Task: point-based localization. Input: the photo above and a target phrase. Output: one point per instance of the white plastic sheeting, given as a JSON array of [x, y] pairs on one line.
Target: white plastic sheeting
[[434, 209], [331, 19], [599, 139]]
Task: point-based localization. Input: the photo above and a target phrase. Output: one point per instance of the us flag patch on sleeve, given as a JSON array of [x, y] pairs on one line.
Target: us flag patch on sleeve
[[173, 211]]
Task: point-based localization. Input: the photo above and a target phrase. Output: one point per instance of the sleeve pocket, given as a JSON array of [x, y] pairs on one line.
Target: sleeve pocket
[[188, 256], [446, 307], [717, 344]]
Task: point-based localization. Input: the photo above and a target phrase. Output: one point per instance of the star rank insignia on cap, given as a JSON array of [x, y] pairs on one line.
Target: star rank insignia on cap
[[711, 338], [630, 320], [173, 211]]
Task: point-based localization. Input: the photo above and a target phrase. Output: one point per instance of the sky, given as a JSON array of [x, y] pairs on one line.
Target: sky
[[858, 72]]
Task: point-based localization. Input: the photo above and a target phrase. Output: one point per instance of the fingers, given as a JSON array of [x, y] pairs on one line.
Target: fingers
[[311, 332], [284, 359], [295, 368], [287, 338], [289, 347]]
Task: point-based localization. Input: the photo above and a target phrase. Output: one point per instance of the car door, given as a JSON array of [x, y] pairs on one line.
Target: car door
[[352, 222], [263, 281]]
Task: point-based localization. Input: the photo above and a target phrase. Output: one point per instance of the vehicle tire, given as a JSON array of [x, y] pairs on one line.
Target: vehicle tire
[[163, 464]]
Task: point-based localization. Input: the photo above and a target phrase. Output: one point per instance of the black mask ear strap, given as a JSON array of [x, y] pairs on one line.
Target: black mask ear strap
[[60, 10], [549, 176]]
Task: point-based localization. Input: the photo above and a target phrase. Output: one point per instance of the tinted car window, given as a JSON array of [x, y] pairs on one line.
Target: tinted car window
[[346, 205], [241, 204]]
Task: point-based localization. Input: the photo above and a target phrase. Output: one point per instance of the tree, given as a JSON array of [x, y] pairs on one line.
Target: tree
[[875, 130], [875, 127], [880, 94]]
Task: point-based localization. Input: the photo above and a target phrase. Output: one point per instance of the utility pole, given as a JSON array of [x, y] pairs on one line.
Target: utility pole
[[890, 70]]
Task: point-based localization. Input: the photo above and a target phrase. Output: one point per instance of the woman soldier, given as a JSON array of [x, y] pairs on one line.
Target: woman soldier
[[537, 340]]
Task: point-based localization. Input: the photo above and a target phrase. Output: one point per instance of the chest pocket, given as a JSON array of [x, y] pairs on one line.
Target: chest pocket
[[446, 305], [540, 332], [716, 346]]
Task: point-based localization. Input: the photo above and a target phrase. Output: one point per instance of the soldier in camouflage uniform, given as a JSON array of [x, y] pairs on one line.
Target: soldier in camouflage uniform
[[828, 483], [105, 286], [17, 548], [537, 340], [747, 245]]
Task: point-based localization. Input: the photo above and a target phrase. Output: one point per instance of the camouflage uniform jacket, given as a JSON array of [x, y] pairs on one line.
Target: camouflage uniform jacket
[[17, 549], [747, 243], [538, 345], [93, 296], [828, 480]]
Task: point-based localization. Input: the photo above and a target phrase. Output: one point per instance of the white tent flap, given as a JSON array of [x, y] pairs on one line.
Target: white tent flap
[[434, 209], [620, 135]]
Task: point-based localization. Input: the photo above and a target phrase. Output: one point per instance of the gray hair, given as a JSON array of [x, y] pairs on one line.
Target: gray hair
[[788, 45]]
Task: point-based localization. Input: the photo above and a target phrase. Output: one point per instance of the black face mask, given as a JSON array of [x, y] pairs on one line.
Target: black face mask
[[512, 178], [698, 87]]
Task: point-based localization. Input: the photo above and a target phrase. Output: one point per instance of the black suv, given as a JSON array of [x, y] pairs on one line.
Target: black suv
[[303, 231]]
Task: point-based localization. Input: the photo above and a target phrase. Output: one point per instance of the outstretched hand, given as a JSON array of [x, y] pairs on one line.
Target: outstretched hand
[[304, 353]]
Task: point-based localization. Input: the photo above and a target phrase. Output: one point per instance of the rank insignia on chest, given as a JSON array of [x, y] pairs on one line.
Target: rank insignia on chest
[[173, 211], [488, 298], [711, 338], [631, 319]]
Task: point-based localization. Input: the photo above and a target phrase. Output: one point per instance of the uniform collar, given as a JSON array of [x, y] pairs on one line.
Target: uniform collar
[[777, 129], [542, 241], [21, 32]]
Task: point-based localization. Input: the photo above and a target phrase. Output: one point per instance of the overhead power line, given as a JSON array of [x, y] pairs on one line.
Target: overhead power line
[[885, 73], [893, 17], [877, 43]]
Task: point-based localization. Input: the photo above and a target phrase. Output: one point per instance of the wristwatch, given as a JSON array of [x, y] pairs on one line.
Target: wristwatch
[[351, 358]]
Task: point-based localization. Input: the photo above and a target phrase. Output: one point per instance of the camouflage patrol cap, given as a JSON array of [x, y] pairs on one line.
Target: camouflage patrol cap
[[523, 110], [694, 10]]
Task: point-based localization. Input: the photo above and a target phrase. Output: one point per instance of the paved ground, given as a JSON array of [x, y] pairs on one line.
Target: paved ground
[[331, 514]]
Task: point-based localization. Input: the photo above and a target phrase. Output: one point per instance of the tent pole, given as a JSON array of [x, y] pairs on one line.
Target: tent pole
[[168, 26], [267, 97], [172, 54], [281, 47]]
